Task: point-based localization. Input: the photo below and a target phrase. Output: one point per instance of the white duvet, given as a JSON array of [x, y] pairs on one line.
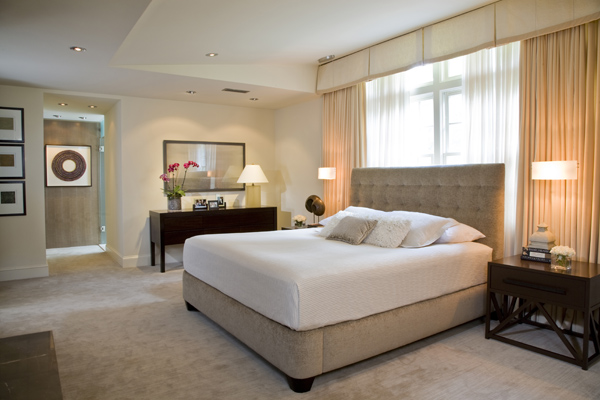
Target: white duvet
[[304, 281]]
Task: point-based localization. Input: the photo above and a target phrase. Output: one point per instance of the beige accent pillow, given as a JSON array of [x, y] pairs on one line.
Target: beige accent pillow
[[332, 222], [389, 232], [352, 230]]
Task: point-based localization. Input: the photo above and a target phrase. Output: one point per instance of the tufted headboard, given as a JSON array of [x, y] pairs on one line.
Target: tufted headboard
[[472, 194]]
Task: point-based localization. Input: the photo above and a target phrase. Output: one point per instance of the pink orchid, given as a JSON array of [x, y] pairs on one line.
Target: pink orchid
[[173, 170]]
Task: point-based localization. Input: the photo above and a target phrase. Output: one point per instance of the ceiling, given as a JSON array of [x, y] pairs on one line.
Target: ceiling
[[157, 48]]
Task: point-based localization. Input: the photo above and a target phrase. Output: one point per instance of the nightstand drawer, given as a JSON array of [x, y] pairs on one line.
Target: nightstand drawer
[[557, 289]]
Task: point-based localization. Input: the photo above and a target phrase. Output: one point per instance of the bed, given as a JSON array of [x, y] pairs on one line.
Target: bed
[[303, 348]]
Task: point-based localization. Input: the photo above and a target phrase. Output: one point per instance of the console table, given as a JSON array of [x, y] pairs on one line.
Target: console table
[[517, 289], [174, 227]]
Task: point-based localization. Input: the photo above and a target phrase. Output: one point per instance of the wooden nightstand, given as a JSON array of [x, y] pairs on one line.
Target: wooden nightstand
[[517, 289]]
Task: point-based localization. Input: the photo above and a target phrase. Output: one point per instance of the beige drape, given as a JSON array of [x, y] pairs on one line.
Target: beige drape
[[344, 137], [560, 120]]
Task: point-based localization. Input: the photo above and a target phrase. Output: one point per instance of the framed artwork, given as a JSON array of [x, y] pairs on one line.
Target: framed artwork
[[12, 122], [68, 165], [12, 161], [12, 198], [213, 205]]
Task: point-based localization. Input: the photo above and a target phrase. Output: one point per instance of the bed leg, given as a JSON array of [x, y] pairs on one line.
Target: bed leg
[[190, 307], [300, 385]]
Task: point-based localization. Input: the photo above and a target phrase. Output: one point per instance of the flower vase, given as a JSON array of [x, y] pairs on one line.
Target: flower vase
[[174, 204], [560, 262], [299, 224]]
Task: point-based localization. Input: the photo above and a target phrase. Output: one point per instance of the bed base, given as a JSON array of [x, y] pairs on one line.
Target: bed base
[[303, 355]]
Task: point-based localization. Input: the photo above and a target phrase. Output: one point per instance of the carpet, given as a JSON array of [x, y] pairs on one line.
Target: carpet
[[126, 334]]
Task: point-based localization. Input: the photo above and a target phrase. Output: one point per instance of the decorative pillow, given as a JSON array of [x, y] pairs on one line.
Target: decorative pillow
[[352, 230], [390, 231], [460, 233], [424, 228], [332, 222]]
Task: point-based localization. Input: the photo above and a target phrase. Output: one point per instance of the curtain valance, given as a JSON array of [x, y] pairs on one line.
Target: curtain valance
[[493, 25]]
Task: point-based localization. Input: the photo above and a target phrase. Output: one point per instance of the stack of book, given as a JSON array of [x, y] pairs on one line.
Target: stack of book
[[533, 254]]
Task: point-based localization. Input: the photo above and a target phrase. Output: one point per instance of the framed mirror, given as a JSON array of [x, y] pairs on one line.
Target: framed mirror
[[220, 164]]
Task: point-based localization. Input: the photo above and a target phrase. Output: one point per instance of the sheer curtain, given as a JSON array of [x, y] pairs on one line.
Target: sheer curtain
[[560, 120], [388, 103], [491, 124], [343, 143]]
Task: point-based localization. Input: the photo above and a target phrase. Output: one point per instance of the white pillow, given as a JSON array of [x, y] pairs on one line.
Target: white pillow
[[424, 228], [460, 233], [366, 212], [390, 231], [332, 222]]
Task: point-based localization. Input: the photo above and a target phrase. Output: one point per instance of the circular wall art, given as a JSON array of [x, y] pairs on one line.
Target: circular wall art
[[68, 165]]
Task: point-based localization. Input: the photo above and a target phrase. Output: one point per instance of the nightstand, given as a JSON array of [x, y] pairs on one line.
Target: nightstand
[[518, 289]]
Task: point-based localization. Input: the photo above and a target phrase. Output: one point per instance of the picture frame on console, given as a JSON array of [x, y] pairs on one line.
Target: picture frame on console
[[213, 204]]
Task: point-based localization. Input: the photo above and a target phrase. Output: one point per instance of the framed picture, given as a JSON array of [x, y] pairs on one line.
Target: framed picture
[[213, 205], [12, 161], [12, 198], [11, 125], [200, 204], [68, 165]]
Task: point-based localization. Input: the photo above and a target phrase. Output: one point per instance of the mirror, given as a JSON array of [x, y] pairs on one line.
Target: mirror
[[220, 164]]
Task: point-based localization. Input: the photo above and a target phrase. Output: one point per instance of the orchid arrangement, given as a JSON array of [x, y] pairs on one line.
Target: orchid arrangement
[[174, 190]]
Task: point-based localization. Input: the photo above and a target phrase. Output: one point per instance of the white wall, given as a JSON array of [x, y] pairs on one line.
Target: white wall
[[145, 123], [23, 238], [286, 143], [298, 143]]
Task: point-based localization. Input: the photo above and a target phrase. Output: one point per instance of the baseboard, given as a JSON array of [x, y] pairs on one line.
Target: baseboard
[[24, 273], [137, 261]]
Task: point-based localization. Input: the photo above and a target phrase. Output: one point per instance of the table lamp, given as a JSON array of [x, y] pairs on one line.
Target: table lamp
[[252, 174], [549, 170]]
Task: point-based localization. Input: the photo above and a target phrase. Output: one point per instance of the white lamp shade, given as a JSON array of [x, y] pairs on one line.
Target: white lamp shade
[[252, 173], [327, 173], [554, 170]]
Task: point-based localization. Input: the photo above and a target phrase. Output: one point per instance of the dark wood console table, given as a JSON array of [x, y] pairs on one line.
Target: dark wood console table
[[518, 289], [174, 227]]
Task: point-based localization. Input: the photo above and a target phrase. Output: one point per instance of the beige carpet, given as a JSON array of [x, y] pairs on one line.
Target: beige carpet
[[125, 334]]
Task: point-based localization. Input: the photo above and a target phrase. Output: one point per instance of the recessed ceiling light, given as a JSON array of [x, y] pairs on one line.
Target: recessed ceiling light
[[78, 49], [212, 54], [326, 58], [190, 91], [63, 104], [253, 99], [92, 106]]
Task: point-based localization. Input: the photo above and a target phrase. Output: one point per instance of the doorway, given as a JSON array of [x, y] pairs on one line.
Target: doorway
[[73, 213]]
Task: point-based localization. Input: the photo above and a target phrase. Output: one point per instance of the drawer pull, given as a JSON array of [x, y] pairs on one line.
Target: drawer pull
[[535, 286]]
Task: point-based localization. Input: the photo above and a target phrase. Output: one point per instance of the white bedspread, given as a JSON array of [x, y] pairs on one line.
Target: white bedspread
[[304, 281]]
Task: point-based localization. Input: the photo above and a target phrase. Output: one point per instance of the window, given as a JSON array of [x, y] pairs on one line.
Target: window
[[428, 107]]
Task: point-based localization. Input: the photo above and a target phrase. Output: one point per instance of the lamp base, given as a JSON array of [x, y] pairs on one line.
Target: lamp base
[[253, 196]]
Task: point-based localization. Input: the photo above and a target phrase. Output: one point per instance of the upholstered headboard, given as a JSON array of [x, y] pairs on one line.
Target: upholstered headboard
[[472, 194]]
